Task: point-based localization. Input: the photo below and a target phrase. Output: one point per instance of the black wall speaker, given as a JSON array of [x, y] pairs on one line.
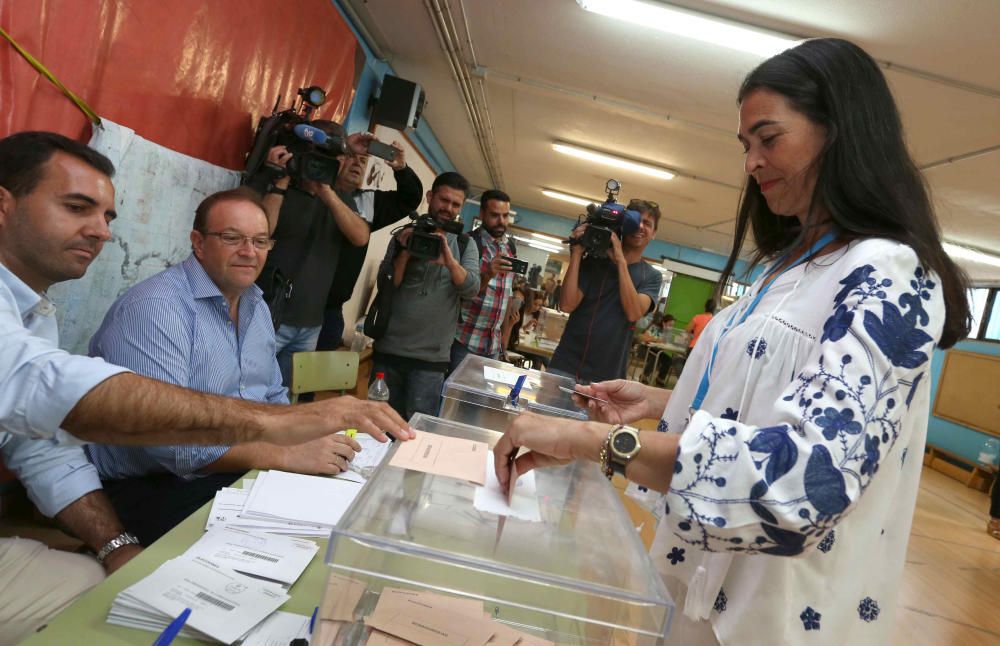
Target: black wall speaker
[[400, 103]]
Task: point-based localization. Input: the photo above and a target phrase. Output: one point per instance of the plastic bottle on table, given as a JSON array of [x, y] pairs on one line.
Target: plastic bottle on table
[[378, 391]]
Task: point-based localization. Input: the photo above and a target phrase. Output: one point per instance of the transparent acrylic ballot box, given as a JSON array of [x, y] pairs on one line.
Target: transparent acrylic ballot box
[[580, 576], [476, 391]]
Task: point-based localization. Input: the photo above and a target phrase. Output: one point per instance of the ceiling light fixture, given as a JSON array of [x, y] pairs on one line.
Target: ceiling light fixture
[[545, 238], [959, 252], [611, 160], [566, 197], [544, 246], [692, 24]]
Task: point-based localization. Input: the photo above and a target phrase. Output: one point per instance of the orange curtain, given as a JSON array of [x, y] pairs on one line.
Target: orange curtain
[[190, 75]]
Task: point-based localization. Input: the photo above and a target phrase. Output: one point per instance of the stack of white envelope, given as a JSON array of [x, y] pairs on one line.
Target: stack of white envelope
[[231, 579], [286, 503]]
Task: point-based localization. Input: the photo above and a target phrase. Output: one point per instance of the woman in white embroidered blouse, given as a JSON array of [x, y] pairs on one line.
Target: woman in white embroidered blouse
[[783, 449]]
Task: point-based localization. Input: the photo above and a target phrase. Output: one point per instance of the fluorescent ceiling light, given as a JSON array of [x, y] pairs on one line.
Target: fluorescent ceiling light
[[545, 238], [539, 245], [700, 26], [611, 160], [566, 197], [958, 252]]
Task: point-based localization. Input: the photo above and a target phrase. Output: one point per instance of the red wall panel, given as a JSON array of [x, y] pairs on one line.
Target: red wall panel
[[190, 75]]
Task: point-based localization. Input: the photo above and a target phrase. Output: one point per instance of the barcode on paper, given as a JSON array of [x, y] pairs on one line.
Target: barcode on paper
[[219, 603], [262, 557]]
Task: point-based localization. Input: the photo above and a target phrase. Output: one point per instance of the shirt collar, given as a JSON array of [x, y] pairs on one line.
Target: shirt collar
[[485, 236], [25, 298]]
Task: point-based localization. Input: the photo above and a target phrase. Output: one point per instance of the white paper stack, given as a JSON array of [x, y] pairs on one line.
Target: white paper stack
[[281, 559], [300, 500], [277, 502], [225, 605]]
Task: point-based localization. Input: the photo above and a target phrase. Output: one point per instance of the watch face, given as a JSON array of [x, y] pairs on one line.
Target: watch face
[[624, 443]]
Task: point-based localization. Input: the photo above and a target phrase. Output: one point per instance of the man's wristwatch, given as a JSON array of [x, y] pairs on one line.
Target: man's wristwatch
[[121, 540], [623, 445]]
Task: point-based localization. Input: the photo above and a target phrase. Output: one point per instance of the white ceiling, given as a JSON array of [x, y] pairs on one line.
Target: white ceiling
[[557, 72]]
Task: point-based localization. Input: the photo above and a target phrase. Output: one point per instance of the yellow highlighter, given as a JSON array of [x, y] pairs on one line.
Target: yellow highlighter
[[351, 433]]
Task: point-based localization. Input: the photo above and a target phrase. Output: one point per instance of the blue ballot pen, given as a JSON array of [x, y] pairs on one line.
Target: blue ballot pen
[[172, 629], [515, 393], [312, 620]]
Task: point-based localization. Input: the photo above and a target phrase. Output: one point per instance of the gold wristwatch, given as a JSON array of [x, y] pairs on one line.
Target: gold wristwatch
[[623, 446]]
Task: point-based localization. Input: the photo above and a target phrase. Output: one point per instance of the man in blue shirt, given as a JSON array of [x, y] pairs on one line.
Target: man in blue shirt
[[203, 325]]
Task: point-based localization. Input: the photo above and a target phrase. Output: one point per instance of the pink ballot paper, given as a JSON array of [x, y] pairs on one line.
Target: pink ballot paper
[[443, 456]]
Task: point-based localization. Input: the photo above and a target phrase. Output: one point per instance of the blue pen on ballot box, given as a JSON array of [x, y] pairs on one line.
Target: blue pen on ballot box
[[513, 399]]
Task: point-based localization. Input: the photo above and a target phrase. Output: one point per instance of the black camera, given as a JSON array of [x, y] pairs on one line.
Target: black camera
[[314, 150], [605, 220], [424, 241]]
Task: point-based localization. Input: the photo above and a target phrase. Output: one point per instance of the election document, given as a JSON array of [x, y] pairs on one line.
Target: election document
[[224, 604], [443, 455], [269, 556]]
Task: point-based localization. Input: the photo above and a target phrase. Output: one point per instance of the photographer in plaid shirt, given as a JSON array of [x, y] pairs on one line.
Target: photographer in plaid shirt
[[480, 318]]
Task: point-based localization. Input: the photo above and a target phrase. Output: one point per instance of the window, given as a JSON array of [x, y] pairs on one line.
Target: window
[[985, 305]]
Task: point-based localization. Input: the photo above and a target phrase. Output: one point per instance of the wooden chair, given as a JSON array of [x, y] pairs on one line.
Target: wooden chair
[[317, 371]]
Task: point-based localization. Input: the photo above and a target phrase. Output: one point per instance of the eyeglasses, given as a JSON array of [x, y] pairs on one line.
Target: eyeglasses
[[232, 239]]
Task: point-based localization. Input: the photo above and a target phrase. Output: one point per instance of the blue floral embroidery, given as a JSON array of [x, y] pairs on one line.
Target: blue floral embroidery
[[720, 601], [662, 427], [756, 348], [834, 422], [676, 555], [826, 544], [868, 609], [730, 414], [810, 618], [853, 406]]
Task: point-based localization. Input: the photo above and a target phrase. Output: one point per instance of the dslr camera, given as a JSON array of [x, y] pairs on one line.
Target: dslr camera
[[605, 220], [424, 242], [314, 151]]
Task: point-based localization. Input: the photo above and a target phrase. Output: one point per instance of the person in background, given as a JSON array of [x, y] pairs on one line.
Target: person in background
[[415, 350], [698, 323], [515, 310], [482, 316], [310, 222], [604, 298], [556, 293], [202, 324], [790, 448], [659, 360], [533, 314], [379, 209]]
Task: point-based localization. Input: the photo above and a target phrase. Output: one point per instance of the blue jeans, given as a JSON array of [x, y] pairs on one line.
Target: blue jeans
[[288, 340], [331, 336], [412, 388]]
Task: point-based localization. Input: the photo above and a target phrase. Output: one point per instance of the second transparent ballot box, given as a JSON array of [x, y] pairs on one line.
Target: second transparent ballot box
[[477, 391]]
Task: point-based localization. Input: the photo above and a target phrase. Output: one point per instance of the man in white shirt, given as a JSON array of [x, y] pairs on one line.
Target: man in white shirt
[[56, 204]]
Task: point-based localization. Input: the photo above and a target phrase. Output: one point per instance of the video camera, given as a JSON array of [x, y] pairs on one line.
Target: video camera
[[314, 151], [605, 220], [424, 241]]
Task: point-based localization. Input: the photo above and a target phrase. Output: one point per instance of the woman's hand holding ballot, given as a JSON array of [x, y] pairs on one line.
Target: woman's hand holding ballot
[[627, 401]]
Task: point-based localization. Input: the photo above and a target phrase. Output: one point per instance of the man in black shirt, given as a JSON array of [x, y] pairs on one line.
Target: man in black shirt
[[604, 298], [379, 209], [311, 223]]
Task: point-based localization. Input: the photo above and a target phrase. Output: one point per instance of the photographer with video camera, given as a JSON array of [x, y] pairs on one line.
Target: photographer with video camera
[[607, 288], [295, 163], [421, 279]]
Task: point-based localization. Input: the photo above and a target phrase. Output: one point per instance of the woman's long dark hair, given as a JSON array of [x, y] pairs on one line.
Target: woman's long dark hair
[[867, 183]]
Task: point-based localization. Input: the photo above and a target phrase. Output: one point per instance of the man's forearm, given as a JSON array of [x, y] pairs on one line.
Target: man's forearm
[[352, 225], [458, 273], [92, 519], [272, 209], [244, 457], [570, 295], [130, 409], [633, 302], [399, 267]]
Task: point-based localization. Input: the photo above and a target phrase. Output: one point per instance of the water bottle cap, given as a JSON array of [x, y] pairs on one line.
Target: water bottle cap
[[380, 375]]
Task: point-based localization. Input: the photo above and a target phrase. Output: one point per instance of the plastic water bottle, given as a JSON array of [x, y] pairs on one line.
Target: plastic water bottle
[[378, 391], [358, 342]]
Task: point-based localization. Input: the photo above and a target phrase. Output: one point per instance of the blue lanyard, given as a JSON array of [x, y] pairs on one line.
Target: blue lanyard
[[699, 396]]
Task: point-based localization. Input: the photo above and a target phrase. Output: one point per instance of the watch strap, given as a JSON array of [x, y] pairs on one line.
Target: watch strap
[[121, 540]]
